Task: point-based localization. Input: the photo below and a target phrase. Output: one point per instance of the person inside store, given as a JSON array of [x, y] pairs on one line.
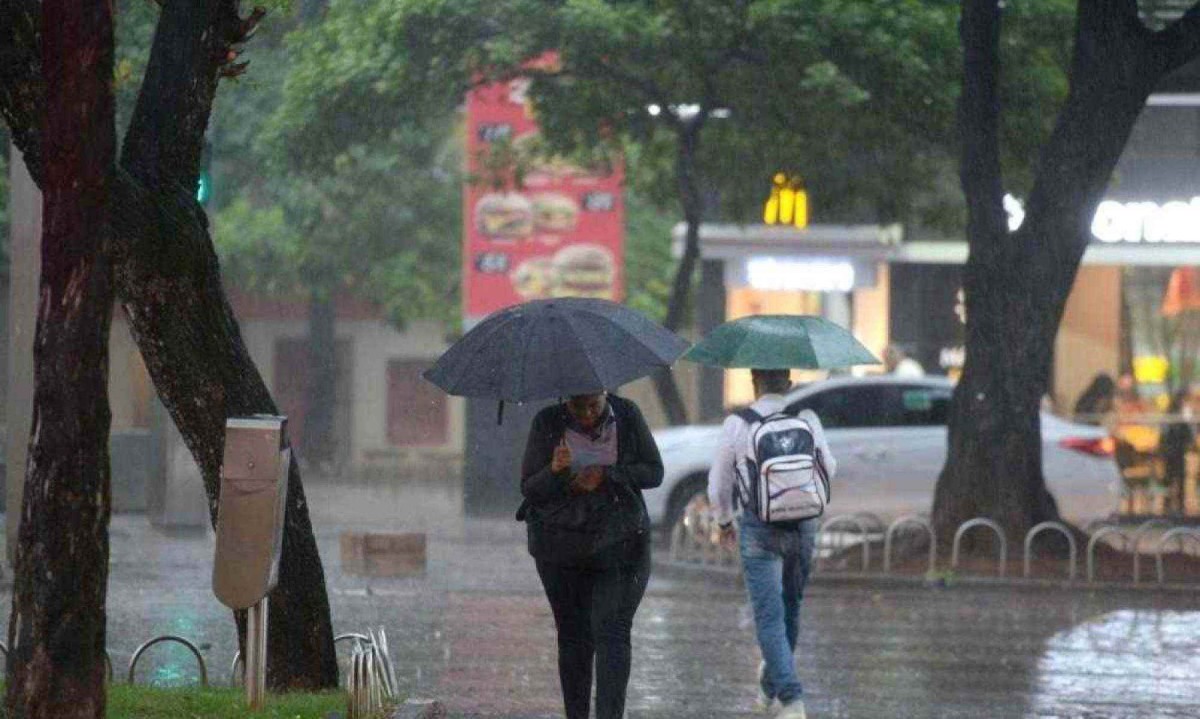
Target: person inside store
[[1096, 401], [1177, 440]]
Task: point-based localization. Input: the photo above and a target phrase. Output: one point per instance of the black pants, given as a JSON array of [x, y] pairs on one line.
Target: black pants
[[593, 603]]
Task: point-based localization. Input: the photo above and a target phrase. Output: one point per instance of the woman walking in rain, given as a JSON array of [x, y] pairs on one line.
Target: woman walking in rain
[[586, 463]]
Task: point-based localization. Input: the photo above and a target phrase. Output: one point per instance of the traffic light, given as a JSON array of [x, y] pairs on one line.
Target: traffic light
[[788, 203], [204, 183]]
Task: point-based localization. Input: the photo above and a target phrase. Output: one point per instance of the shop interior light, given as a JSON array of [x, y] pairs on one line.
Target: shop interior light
[[773, 273]]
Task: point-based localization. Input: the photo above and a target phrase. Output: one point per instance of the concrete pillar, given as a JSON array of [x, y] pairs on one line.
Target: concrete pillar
[[710, 312], [492, 461], [837, 308], [24, 253], [175, 496]]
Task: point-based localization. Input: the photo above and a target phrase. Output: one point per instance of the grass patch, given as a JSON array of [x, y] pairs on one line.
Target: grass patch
[[140, 702]]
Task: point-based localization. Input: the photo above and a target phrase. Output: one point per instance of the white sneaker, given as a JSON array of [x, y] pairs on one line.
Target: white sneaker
[[795, 710], [763, 703]]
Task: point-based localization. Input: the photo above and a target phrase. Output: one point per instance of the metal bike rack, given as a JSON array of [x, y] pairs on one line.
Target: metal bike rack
[[236, 678], [1062, 529], [1100, 533], [1136, 542], [137, 654], [862, 531], [901, 521], [371, 680], [980, 522], [1183, 534], [871, 521]]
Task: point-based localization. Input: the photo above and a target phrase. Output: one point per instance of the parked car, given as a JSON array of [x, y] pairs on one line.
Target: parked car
[[889, 437]]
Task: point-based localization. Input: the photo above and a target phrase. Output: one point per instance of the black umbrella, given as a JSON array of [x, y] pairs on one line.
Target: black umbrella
[[555, 348]]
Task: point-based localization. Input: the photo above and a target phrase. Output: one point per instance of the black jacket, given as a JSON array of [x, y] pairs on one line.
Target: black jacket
[[638, 467]]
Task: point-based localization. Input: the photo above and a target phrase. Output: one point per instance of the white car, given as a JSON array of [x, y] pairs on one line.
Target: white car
[[889, 437]]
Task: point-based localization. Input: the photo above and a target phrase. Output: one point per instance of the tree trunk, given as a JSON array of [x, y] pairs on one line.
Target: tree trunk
[[319, 444], [690, 199], [56, 632], [1016, 285], [169, 284], [168, 280]]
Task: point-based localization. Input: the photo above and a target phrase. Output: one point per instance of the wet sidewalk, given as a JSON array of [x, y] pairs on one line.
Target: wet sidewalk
[[476, 632]]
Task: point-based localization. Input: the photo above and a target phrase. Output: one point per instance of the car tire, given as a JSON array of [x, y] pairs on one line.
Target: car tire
[[684, 492]]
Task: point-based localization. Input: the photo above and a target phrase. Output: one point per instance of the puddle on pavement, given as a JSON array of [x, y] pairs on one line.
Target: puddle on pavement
[[1122, 658]]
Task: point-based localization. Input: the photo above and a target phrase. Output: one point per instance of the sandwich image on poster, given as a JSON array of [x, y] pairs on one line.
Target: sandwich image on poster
[[585, 270], [554, 212], [506, 216], [534, 279]]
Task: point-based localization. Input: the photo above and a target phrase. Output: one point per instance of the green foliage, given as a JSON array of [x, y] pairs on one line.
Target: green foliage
[[857, 96], [373, 207], [139, 702], [649, 268]]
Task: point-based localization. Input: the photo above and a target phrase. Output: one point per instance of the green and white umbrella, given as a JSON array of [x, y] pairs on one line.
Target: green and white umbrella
[[780, 342]]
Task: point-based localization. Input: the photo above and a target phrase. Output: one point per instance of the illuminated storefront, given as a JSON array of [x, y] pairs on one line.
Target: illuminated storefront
[[839, 272]]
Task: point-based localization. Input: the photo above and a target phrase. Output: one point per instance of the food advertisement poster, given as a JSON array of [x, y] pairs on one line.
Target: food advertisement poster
[[560, 233]]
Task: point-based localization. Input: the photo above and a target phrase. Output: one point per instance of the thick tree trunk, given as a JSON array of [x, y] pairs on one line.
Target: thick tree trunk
[[57, 628], [1016, 284], [319, 444], [192, 346], [169, 283]]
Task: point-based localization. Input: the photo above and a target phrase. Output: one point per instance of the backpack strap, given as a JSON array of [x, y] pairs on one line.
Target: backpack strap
[[749, 415]]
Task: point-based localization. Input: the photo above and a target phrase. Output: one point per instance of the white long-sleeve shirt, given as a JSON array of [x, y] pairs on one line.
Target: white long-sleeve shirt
[[735, 442]]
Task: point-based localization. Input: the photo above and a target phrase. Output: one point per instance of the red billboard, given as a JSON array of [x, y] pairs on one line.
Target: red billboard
[[558, 233]]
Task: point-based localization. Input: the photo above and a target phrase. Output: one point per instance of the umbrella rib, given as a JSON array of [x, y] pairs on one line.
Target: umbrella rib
[[529, 338], [579, 338], [482, 346], [648, 326]]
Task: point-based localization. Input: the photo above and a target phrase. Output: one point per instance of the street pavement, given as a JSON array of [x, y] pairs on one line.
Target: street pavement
[[475, 631]]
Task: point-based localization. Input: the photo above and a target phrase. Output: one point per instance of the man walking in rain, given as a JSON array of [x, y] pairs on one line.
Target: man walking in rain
[[776, 555]]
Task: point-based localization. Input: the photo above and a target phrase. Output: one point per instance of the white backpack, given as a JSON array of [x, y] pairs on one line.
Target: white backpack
[[784, 478]]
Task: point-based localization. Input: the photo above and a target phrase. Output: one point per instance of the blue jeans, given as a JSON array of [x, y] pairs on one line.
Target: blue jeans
[[776, 563]]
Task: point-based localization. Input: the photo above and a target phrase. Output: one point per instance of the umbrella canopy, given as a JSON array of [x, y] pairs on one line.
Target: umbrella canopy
[[555, 348], [780, 342]]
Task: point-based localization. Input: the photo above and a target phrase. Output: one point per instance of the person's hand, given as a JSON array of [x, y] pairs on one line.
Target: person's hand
[[588, 479], [562, 457], [729, 537]]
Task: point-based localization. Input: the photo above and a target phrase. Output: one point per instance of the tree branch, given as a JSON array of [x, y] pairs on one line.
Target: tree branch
[[1178, 43], [649, 90], [21, 86], [979, 119], [193, 44]]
